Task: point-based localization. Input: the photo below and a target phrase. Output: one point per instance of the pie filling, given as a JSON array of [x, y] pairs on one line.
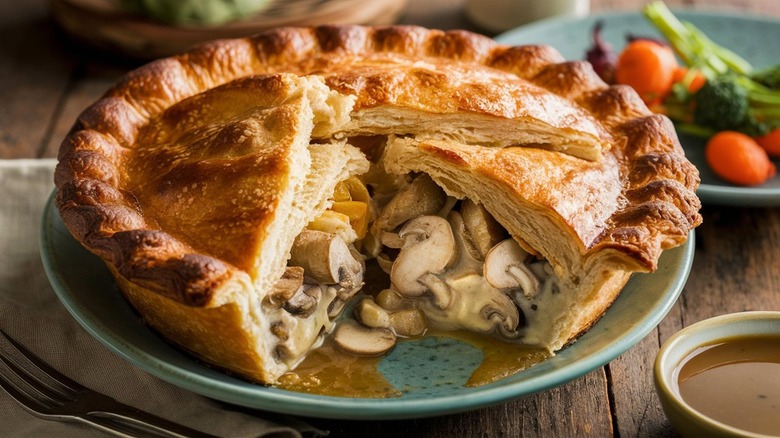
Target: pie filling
[[449, 265]]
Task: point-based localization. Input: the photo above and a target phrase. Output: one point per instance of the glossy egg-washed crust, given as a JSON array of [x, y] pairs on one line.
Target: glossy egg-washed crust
[[657, 207]]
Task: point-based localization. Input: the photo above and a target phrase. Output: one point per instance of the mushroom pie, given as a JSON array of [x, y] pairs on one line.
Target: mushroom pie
[[239, 192]]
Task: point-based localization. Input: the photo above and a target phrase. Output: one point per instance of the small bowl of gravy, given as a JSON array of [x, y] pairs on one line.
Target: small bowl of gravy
[[721, 377]]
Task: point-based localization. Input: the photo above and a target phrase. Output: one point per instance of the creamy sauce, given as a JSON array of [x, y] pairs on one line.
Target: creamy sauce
[[736, 382], [329, 371]]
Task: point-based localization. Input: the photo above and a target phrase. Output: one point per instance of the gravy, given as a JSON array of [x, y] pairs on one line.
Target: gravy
[[329, 371], [736, 382]]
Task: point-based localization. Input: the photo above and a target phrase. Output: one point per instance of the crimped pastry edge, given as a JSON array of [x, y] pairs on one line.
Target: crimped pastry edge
[[102, 219]]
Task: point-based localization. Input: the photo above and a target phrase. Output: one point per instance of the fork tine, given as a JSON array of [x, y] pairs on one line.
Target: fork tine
[[78, 403], [60, 382], [33, 387], [26, 400]]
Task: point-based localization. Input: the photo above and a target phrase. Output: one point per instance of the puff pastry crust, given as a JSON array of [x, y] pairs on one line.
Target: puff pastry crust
[[184, 176]]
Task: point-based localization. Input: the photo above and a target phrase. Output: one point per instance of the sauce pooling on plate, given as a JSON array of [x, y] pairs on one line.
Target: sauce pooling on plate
[[330, 371], [736, 382]]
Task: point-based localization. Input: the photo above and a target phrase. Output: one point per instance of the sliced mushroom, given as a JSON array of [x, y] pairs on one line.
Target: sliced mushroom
[[286, 287], [429, 247], [354, 281], [389, 299], [408, 322], [384, 262], [484, 229], [391, 240], [526, 279], [421, 197], [441, 291], [345, 290], [476, 307], [280, 331], [304, 302], [470, 259], [283, 353], [371, 315], [326, 258], [502, 311], [505, 268], [337, 305], [356, 339], [449, 204]]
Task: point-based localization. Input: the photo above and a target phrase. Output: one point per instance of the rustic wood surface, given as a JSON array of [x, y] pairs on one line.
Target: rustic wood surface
[[46, 80]]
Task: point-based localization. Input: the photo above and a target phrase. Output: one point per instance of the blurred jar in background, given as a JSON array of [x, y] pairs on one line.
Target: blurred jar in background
[[501, 15]]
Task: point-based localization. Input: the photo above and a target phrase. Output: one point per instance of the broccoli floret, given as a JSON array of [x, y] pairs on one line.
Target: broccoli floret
[[733, 102], [722, 104]]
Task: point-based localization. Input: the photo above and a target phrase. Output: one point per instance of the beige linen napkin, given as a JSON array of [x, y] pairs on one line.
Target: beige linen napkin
[[31, 313]]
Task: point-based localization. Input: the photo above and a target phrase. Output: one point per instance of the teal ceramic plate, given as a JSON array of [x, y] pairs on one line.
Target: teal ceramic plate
[[431, 372], [751, 37]]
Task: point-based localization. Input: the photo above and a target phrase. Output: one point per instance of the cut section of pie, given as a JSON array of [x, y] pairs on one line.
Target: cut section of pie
[[238, 191]]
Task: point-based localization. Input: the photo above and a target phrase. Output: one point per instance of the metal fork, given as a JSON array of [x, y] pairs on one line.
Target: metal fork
[[48, 394]]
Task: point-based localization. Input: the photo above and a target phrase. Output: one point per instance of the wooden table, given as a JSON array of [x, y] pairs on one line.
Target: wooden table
[[45, 81]]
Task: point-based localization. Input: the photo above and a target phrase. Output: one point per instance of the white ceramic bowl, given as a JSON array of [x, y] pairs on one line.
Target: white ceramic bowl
[[686, 420]]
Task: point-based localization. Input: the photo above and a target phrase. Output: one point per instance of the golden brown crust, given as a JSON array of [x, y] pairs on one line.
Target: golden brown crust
[[120, 190], [95, 150], [213, 334], [153, 208], [215, 165], [639, 200], [639, 220]]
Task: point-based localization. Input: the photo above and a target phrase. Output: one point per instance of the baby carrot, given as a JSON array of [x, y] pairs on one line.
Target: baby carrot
[[771, 142], [696, 82], [648, 67], [738, 159]]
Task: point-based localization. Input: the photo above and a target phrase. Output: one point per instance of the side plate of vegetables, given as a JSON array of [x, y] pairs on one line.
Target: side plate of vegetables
[[715, 74]]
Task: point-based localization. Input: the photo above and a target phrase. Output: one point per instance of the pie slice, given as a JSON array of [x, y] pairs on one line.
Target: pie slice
[[238, 191], [197, 220], [571, 232]]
